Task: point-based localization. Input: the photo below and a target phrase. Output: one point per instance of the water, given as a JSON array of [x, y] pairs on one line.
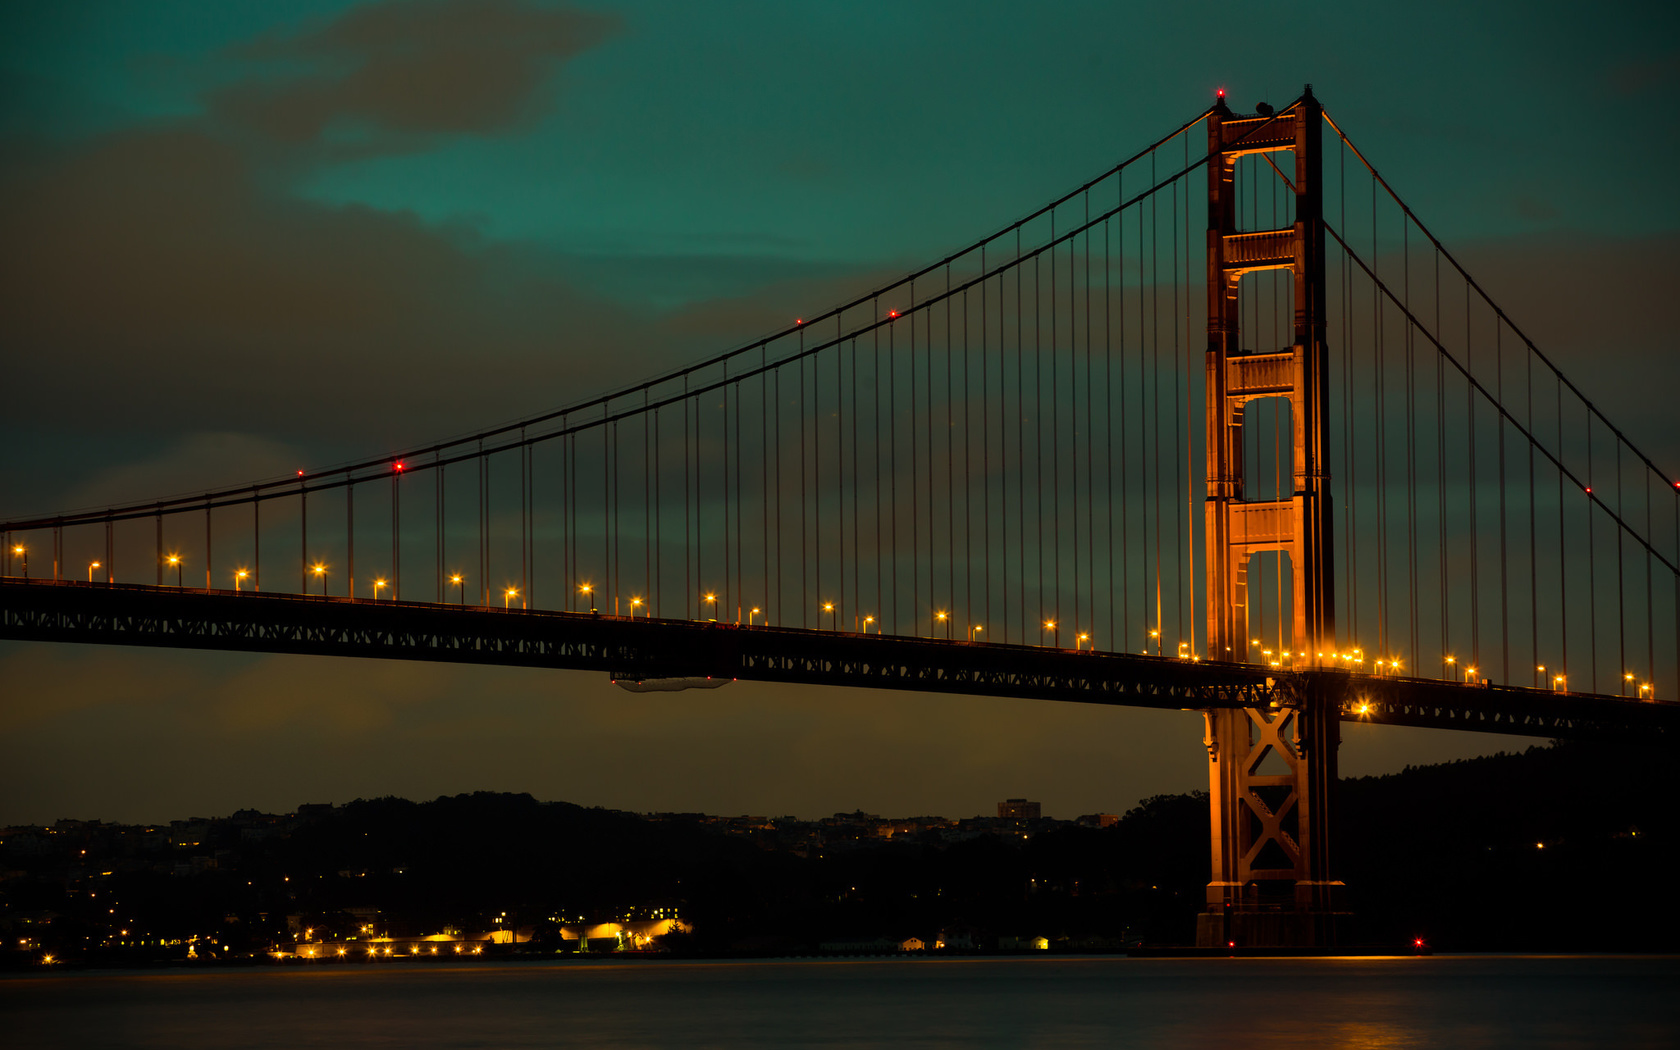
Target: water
[[1357, 1004]]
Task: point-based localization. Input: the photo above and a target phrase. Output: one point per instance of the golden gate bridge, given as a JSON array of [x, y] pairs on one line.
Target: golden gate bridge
[[987, 478]]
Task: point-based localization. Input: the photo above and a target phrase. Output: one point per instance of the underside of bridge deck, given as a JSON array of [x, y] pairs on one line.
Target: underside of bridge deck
[[638, 649]]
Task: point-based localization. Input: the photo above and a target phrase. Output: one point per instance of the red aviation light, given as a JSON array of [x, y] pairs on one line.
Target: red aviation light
[[399, 466], [892, 313], [1221, 92]]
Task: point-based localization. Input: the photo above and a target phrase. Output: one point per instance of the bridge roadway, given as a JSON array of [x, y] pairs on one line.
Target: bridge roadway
[[639, 649]]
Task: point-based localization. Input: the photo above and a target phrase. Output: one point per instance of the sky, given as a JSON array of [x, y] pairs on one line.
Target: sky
[[240, 236]]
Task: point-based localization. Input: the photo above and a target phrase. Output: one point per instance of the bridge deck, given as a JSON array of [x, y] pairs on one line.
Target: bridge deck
[[642, 648]]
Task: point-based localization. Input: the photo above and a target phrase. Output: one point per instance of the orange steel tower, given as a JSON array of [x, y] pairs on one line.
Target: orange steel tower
[[1271, 771]]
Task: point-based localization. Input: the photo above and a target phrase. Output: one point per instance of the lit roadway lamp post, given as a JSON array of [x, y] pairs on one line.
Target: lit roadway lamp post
[[92, 565], [974, 630], [23, 552], [1079, 643], [588, 593], [711, 602], [867, 620], [1452, 668], [752, 614], [508, 596], [1539, 673], [1157, 636], [239, 577], [941, 618], [320, 572], [1644, 690], [833, 616], [376, 585], [635, 603], [1557, 684], [1626, 678], [1055, 633], [460, 589], [173, 559]]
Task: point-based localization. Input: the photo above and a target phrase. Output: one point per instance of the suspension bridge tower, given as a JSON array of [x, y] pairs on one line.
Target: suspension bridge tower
[[1271, 771]]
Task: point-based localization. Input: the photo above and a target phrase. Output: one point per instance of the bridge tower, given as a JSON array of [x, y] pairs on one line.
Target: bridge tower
[[1271, 771]]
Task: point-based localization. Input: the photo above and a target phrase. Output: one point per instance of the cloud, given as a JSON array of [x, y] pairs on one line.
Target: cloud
[[410, 69]]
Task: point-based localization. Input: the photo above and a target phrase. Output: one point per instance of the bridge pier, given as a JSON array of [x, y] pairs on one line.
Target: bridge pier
[[1271, 781]]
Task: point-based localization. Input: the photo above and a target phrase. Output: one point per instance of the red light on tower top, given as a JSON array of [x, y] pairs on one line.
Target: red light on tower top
[[1221, 92], [892, 313], [399, 465]]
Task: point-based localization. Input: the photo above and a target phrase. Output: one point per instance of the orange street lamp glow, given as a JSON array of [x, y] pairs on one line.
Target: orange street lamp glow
[[92, 565], [239, 577], [175, 560], [634, 604], [867, 620], [751, 613], [972, 631], [376, 585], [508, 596]]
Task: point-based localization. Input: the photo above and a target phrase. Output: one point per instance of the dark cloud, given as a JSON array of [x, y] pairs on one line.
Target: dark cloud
[[416, 68]]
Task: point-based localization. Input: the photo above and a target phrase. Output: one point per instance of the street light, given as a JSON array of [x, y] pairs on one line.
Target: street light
[[588, 592], [173, 559], [942, 618], [20, 549], [974, 630], [376, 585], [1452, 668], [320, 572], [1539, 672], [1557, 683], [1157, 636], [460, 590], [751, 614], [634, 603], [711, 600], [239, 577], [1626, 678], [867, 620], [1055, 639], [1079, 642], [833, 617], [508, 596], [92, 565]]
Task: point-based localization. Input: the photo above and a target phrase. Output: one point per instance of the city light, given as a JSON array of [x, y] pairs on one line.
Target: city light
[[92, 565], [239, 578], [460, 590], [378, 583], [974, 630], [508, 596]]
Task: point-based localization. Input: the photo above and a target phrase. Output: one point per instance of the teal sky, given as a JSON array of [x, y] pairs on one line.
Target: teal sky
[[240, 236]]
